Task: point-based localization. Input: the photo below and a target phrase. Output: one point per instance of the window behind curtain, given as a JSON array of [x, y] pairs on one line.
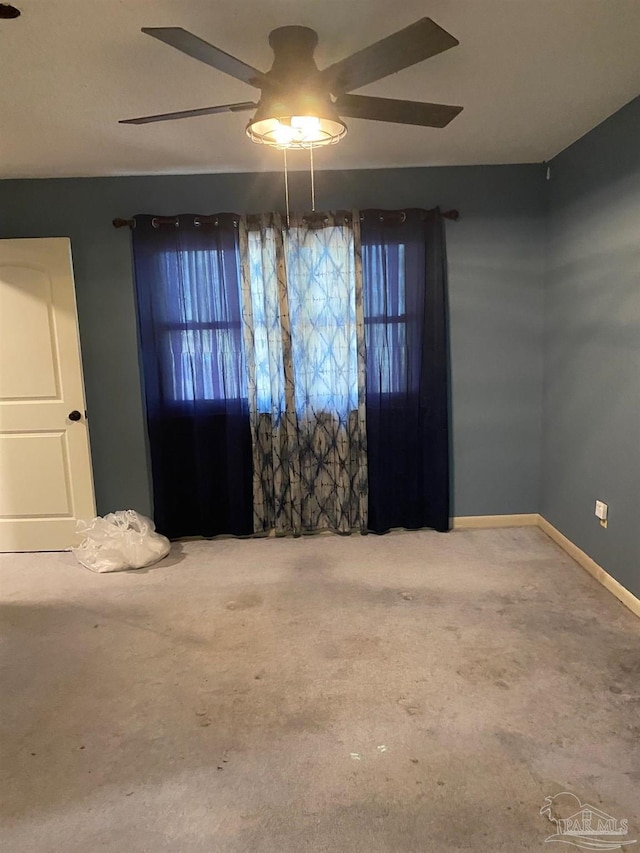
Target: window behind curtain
[[322, 310], [386, 317], [200, 332], [321, 302], [201, 343]]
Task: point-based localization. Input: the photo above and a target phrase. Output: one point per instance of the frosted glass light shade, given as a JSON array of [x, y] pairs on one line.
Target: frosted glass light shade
[[298, 119], [294, 131]]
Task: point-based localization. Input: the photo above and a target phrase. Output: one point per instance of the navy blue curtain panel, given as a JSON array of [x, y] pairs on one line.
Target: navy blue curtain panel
[[404, 275], [188, 285]]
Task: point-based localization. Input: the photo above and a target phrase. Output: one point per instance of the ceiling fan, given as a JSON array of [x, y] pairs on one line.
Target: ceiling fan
[[301, 106]]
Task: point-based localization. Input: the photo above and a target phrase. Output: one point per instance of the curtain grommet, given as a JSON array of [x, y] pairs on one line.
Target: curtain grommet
[[396, 217], [157, 221]]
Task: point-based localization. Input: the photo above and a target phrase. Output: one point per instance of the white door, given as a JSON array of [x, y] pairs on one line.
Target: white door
[[45, 465]]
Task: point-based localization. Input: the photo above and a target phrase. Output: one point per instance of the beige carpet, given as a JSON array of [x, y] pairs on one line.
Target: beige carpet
[[411, 692]]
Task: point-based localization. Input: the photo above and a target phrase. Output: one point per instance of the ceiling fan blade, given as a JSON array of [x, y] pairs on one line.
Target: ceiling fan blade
[[199, 49], [415, 43], [402, 112], [205, 111]]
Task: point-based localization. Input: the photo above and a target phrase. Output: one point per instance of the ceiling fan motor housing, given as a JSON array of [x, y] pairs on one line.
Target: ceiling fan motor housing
[[295, 89], [293, 49]]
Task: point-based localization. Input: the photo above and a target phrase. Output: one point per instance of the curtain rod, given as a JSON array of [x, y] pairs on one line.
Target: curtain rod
[[454, 215]]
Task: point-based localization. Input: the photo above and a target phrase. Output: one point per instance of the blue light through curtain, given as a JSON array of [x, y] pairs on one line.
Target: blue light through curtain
[[191, 340], [407, 389]]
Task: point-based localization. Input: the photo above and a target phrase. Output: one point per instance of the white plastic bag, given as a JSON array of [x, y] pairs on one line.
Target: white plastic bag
[[121, 540]]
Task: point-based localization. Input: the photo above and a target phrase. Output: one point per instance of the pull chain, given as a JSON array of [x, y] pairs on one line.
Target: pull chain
[[313, 186], [286, 183]]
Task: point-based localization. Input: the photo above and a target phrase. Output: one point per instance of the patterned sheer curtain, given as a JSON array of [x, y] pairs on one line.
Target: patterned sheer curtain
[[304, 342]]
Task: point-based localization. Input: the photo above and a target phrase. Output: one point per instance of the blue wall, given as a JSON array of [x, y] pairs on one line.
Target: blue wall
[[496, 275], [591, 435], [583, 226]]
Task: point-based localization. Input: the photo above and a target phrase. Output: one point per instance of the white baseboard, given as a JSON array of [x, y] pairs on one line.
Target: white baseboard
[[596, 571], [476, 522]]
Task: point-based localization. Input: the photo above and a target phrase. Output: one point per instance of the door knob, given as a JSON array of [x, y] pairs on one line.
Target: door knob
[[75, 415]]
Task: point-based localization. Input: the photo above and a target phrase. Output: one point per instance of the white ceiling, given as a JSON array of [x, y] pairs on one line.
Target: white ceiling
[[532, 75]]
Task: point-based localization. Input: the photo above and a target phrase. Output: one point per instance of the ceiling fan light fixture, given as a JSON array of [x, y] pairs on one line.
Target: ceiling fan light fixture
[[296, 131], [302, 122]]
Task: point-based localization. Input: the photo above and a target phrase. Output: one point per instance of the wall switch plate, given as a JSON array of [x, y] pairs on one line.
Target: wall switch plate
[[602, 512]]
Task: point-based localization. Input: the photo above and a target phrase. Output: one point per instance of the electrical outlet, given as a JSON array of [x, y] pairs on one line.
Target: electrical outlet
[[602, 512]]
